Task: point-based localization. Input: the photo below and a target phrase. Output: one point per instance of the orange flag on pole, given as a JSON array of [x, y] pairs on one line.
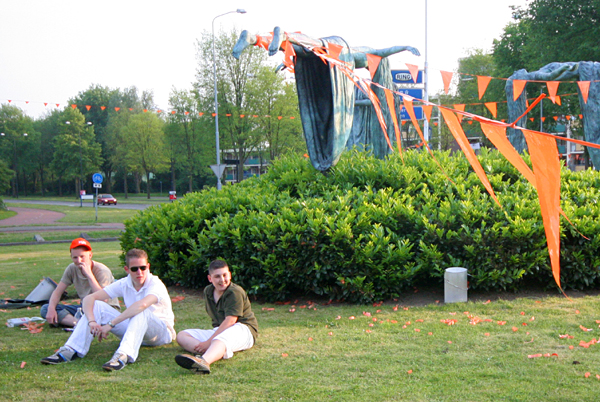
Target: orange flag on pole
[[389, 96], [446, 78], [460, 107], [373, 63], [552, 89], [518, 86], [414, 71], [546, 167], [427, 110], [482, 84], [584, 87], [463, 142], [492, 107]]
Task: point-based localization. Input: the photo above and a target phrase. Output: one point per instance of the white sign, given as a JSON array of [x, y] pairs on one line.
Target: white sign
[[97, 185], [87, 197]]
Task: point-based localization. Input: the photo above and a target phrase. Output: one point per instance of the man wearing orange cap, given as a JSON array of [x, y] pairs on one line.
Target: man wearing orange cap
[[86, 275]]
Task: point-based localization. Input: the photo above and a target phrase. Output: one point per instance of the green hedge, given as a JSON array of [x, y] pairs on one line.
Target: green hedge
[[371, 229]]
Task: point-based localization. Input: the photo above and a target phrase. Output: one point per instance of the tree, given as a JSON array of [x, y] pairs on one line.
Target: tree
[[144, 144], [77, 154], [6, 176], [241, 85], [18, 145], [188, 135]]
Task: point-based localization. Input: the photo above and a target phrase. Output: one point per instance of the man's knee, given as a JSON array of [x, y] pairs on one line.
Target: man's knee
[[44, 311]]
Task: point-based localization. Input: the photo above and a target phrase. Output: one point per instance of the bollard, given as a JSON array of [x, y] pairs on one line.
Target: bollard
[[455, 285]]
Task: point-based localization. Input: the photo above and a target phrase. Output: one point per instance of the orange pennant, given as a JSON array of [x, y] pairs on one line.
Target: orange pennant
[[493, 108], [334, 50], [546, 167], [458, 133], [447, 78], [427, 110], [200, 113], [558, 100], [145, 110], [102, 107], [584, 87], [389, 96], [117, 109], [88, 107], [460, 107], [482, 84], [172, 112], [73, 106], [518, 86], [552, 89], [414, 71], [373, 63]]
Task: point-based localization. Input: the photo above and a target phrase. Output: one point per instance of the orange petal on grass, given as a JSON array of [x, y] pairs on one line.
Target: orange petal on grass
[[371, 324], [586, 375], [12, 287], [571, 346], [177, 299], [409, 371], [534, 356], [395, 308], [374, 319], [23, 364], [3, 311], [449, 341], [452, 313], [310, 339], [405, 308], [487, 302], [268, 308], [576, 311], [584, 328], [532, 319], [598, 376], [487, 334], [330, 334], [515, 329], [524, 324], [394, 321], [522, 313], [419, 320], [284, 355], [368, 331], [430, 333], [292, 310], [351, 317], [417, 330], [339, 317], [501, 322]]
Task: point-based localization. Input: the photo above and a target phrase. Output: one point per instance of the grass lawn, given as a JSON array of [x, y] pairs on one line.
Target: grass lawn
[[18, 237], [132, 198], [6, 214], [314, 352]]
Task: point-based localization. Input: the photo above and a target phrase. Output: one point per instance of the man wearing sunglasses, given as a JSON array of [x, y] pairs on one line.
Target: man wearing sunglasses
[[147, 320]]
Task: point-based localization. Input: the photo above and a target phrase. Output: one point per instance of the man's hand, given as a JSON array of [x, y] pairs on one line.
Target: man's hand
[[52, 316], [86, 269], [201, 347], [99, 331]]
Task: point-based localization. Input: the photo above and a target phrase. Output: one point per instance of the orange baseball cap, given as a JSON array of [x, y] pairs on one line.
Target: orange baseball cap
[[81, 242]]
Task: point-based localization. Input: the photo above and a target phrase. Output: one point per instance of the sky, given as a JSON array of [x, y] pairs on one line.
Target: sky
[[52, 50]]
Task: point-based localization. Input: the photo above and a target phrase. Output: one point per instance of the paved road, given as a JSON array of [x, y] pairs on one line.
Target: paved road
[[86, 204]]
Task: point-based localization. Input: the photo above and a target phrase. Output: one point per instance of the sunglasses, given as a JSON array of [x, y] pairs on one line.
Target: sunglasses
[[134, 269]]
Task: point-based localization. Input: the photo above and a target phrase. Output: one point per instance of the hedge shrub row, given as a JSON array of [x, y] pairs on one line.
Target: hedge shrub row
[[370, 229]]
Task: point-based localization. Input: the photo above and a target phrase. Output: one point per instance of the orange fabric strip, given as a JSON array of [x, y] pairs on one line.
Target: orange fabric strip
[[482, 84], [584, 87]]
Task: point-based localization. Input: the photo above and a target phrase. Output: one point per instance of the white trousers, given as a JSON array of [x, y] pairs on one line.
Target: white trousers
[[237, 337], [143, 329]]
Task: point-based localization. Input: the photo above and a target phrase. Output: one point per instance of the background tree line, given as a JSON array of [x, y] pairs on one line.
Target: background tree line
[[133, 145]]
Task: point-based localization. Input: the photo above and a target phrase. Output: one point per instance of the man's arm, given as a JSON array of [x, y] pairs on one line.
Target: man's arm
[[87, 271], [228, 322], [51, 316], [102, 330]]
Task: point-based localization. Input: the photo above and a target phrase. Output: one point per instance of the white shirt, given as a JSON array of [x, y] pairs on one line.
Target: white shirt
[[152, 286]]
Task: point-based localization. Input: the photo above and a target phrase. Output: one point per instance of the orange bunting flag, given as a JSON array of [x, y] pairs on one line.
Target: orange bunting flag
[[518, 86], [200, 113], [117, 109], [552, 89], [263, 41], [568, 117], [102, 107], [584, 88], [73, 106], [493, 108], [558, 100], [546, 167], [214, 114], [88, 107], [334, 50], [427, 110], [145, 110], [543, 119], [373, 64], [389, 97], [460, 107], [482, 84], [58, 104], [555, 118], [186, 113], [173, 112], [497, 135], [446, 78], [414, 71], [45, 103], [531, 119], [458, 133]]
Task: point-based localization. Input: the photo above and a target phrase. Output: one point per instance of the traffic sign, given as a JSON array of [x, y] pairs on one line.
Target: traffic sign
[[416, 93], [418, 113], [97, 185], [97, 178], [404, 77], [218, 170]]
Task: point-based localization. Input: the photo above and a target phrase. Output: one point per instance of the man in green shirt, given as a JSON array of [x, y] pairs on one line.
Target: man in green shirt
[[234, 325]]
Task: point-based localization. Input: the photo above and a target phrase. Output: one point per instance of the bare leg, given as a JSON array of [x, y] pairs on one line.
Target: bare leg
[[215, 352], [68, 321], [243, 42], [187, 341]]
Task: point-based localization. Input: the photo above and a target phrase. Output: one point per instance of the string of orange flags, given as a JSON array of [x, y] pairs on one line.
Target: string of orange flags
[[545, 172]]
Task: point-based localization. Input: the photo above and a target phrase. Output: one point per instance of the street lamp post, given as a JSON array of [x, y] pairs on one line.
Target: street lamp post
[[239, 11], [15, 162], [89, 123]]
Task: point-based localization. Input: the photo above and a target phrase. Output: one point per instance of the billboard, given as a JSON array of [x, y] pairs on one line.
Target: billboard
[[404, 77]]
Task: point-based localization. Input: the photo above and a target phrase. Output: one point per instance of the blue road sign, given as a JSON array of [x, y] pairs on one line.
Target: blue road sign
[[418, 113], [404, 77], [416, 93], [97, 178]]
